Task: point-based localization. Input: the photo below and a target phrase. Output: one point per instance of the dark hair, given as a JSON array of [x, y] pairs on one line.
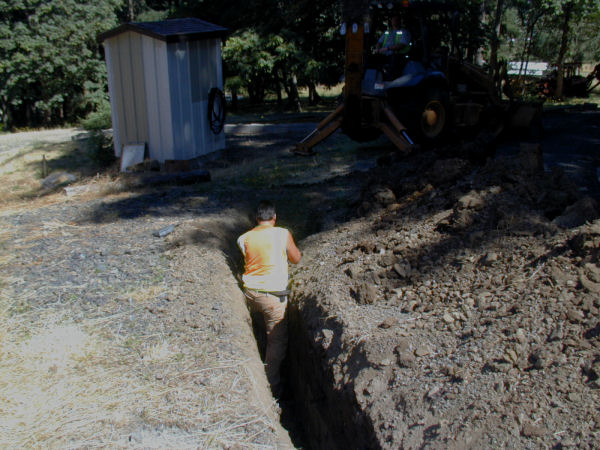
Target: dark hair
[[265, 211]]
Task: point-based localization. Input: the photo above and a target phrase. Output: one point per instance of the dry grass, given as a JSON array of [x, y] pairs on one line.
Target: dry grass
[[26, 158], [67, 383], [73, 378], [21, 168]]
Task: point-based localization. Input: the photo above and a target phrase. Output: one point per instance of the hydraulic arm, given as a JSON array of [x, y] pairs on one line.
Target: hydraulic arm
[[358, 112]]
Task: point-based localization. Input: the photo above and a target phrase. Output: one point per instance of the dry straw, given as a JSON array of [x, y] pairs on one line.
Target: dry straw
[[68, 384]]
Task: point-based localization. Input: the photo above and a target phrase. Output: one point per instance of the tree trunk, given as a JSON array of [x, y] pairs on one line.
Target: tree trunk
[[534, 17], [278, 89], [234, 100], [564, 43], [130, 11], [4, 113], [495, 43], [285, 84], [313, 95], [483, 18], [294, 98]]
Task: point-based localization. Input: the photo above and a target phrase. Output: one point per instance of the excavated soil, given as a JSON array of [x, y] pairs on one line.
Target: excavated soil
[[461, 308], [439, 303], [458, 315]]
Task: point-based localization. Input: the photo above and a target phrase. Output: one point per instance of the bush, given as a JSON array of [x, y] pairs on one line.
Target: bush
[[100, 149], [98, 120]]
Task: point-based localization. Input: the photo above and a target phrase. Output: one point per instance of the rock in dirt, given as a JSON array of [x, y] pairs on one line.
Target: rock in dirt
[[366, 294], [388, 323], [472, 200], [403, 269], [532, 430], [589, 277], [384, 196], [584, 210], [164, 231], [58, 179]]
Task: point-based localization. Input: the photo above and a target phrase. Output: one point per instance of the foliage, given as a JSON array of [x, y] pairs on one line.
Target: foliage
[[245, 54], [99, 119], [51, 69], [536, 26], [279, 45], [100, 150], [584, 30]]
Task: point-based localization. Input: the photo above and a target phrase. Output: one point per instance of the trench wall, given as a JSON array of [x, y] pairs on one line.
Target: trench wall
[[327, 411]]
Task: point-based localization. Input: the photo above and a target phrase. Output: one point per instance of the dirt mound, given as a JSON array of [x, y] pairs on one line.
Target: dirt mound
[[460, 311]]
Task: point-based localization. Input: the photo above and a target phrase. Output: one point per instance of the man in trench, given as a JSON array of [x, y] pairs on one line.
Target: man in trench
[[267, 250]]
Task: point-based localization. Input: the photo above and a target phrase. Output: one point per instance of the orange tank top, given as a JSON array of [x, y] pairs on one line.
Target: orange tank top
[[265, 254]]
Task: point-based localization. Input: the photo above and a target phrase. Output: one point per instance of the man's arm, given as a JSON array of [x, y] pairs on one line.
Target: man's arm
[[379, 46], [293, 253], [241, 243]]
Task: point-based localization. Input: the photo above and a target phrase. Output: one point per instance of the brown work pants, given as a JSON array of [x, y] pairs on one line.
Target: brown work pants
[[272, 309]]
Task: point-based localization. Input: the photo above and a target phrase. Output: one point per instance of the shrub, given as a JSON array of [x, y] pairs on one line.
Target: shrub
[[100, 119], [99, 148]]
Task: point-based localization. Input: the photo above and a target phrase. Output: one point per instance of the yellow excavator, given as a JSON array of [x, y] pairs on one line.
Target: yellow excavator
[[435, 91]]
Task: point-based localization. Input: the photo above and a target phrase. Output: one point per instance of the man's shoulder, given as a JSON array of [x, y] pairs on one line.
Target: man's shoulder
[[243, 237]]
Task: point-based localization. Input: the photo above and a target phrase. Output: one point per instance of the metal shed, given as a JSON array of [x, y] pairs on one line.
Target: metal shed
[[160, 75]]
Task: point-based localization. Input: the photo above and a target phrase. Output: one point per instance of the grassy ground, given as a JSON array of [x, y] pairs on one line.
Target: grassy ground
[[77, 374], [26, 158]]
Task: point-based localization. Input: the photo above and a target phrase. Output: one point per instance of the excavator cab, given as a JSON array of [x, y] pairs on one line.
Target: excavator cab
[[414, 85]]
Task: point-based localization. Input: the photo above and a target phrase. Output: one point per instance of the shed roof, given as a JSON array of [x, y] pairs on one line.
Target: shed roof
[[172, 30]]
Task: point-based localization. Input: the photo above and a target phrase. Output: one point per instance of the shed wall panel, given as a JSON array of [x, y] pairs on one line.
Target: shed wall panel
[[216, 58], [160, 133], [181, 107], [130, 95], [126, 91], [199, 80], [121, 91], [114, 90], [217, 141], [140, 130], [206, 73]]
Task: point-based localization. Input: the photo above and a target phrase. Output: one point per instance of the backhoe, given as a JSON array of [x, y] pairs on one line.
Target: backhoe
[[436, 91]]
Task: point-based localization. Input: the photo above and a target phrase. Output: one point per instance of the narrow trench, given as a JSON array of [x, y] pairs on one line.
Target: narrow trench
[[295, 401], [291, 401], [314, 413]]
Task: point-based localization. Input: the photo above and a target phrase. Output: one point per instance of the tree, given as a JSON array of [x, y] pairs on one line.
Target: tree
[[245, 55], [495, 28], [51, 69], [564, 13], [301, 38], [314, 28]]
